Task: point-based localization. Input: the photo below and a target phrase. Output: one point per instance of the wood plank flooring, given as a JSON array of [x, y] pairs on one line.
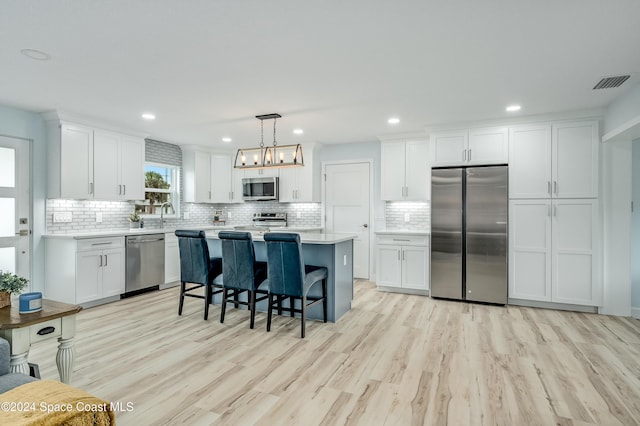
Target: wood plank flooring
[[392, 360]]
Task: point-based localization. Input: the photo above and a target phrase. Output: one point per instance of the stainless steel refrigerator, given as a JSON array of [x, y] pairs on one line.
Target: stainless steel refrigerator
[[469, 244]]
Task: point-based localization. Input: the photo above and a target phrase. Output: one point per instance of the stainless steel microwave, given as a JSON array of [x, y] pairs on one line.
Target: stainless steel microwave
[[260, 189]]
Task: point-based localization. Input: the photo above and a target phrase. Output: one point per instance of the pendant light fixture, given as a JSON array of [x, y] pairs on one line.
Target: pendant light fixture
[[272, 156]]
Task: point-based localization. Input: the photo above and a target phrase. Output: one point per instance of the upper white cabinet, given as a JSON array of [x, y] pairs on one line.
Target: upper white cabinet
[[553, 255], [70, 154], [405, 173], [91, 163], [554, 160], [119, 169], [208, 178], [296, 184], [574, 159], [470, 147]]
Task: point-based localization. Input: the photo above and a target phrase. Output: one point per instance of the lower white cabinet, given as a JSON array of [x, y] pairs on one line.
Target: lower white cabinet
[[85, 270], [402, 262], [553, 254], [171, 258]]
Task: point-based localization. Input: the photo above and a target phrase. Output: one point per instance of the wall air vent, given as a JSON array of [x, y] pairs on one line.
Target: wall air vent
[[611, 82]]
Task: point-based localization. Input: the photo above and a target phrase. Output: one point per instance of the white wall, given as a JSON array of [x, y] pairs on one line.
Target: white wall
[[616, 183], [28, 125], [635, 231], [622, 110]]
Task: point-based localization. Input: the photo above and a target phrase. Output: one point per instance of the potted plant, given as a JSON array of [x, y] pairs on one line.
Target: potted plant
[[10, 283], [134, 220]]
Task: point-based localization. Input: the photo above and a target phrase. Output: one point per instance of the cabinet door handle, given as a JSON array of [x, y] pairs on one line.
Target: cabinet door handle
[[90, 187], [403, 255], [549, 211], [106, 260], [469, 155], [119, 189], [464, 155], [100, 265], [124, 189], [549, 187], [555, 211], [555, 187]]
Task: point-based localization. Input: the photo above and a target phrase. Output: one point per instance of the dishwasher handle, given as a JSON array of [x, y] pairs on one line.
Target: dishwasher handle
[[140, 240]]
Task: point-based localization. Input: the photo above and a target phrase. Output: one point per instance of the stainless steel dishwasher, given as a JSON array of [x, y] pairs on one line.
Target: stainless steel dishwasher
[[144, 264]]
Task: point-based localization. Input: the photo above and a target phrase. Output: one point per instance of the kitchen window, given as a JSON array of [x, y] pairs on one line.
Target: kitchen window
[[161, 185]]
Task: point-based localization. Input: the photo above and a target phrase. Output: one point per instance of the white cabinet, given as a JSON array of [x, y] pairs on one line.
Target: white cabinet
[[70, 154], [404, 171], [209, 178], [221, 179], [553, 254], [297, 184], [171, 258], [470, 147], [84, 271], [91, 163], [554, 160], [402, 262], [119, 166]]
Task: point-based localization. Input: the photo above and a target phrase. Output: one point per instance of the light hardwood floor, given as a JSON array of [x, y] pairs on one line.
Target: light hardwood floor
[[393, 359]]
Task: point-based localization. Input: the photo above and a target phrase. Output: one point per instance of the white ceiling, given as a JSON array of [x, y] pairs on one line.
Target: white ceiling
[[336, 68]]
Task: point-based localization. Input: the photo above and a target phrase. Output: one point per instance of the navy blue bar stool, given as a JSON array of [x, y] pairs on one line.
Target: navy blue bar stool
[[197, 268], [290, 278], [241, 273]]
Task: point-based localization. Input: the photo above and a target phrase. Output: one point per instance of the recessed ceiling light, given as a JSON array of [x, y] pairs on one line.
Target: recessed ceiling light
[[298, 131], [148, 116], [513, 108], [393, 120], [226, 140], [36, 54]]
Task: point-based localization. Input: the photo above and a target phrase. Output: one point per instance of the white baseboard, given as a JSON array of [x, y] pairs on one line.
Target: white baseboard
[[635, 312]]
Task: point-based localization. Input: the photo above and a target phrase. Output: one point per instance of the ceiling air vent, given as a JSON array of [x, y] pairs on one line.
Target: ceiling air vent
[[611, 82]]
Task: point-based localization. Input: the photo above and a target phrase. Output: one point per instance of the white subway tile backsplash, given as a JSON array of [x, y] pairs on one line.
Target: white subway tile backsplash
[[419, 215]]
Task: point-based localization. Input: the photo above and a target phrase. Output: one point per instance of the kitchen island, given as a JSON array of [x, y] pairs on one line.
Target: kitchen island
[[333, 251]]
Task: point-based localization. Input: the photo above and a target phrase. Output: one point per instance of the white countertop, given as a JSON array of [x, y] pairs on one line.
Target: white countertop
[[402, 232], [168, 230], [306, 237]]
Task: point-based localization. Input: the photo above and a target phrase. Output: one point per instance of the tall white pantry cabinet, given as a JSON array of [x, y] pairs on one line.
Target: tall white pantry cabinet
[[554, 225]]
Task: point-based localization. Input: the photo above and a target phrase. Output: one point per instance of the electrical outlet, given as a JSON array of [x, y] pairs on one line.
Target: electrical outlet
[[186, 215], [299, 215], [99, 217], [60, 217], [229, 215], [407, 217]]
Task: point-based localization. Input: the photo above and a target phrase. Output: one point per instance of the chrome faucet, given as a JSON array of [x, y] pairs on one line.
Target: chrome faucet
[[162, 207]]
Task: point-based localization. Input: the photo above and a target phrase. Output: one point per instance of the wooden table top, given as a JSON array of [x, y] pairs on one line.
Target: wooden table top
[[10, 317]]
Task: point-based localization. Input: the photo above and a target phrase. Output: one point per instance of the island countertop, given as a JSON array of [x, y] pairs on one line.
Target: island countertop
[[305, 238]]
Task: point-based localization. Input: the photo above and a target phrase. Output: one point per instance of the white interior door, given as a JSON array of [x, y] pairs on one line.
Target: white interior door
[[15, 219], [347, 208]]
